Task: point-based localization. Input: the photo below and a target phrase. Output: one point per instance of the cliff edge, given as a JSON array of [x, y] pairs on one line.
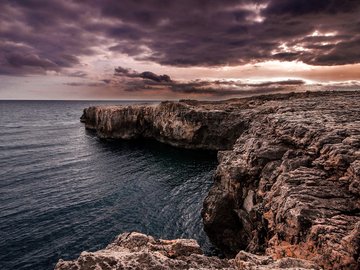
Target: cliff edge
[[288, 179]]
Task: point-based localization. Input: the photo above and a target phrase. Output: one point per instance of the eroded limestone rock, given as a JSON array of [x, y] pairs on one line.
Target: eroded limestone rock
[[135, 251], [302, 163], [177, 124], [248, 261], [288, 179], [132, 251]]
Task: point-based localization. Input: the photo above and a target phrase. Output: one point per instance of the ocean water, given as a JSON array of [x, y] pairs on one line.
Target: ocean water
[[63, 190]]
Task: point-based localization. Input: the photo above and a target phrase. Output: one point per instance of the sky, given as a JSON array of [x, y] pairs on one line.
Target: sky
[[162, 49]]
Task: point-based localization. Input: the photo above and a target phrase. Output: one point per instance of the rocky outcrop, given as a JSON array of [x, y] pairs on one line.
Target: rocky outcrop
[[248, 261], [132, 251], [139, 251], [179, 124], [288, 179], [289, 186]]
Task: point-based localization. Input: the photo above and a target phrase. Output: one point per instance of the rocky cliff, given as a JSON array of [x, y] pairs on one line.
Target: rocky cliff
[[290, 185], [288, 179], [182, 124]]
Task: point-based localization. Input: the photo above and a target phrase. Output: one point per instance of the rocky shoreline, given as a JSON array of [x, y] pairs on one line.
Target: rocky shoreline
[[134, 250], [287, 184]]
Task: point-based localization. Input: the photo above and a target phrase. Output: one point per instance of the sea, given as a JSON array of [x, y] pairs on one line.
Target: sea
[[64, 191]]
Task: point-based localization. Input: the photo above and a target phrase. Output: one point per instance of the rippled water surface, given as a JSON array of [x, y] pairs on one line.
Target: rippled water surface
[[62, 190]]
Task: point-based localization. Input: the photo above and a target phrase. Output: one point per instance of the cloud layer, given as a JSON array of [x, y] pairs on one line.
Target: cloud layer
[[132, 81], [40, 36]]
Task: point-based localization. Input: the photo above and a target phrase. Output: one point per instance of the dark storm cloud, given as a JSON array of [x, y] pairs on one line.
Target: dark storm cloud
[[185, 33], [37, 36], [120, 71], [303, 7], [133, 81]]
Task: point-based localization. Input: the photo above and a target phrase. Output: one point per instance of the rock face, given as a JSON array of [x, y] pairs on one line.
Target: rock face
[[133, 251], [290, 185], [288, 179], [179, 124]]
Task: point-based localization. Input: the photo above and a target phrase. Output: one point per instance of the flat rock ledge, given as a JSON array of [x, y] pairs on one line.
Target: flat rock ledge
[[288, 179], [133, 251]]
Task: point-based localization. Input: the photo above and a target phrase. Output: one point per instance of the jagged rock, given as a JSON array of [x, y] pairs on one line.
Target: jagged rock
[[248, 261], [132, 251], [177, 124], [288, 179], [299, 167]]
